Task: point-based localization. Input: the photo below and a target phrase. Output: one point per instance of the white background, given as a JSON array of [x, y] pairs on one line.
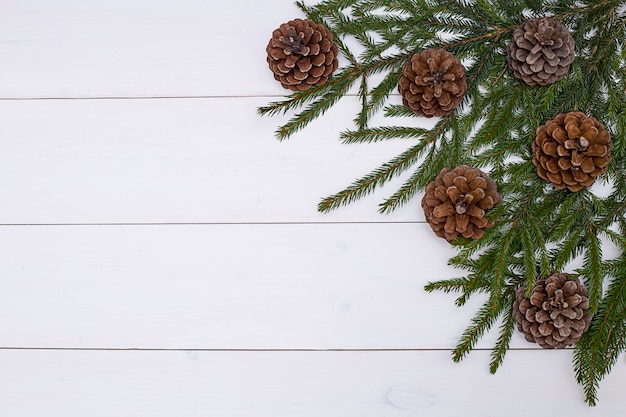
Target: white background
[[161, 253]]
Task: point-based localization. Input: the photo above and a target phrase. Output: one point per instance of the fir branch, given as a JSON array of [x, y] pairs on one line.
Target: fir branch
[[395, 110], [591, 270], [407, 190], [477, 283], [377, 134], [597, 351], [539, 230], [496, 124], [479, 278], [504, 339], [528, 254], [376, 178], [301, 98], [542, 261], [481, 323], [460, 46], [384, 173], [380, 93], [457, 284], [593, 256], [469, 11], [362, 117], [436, 159], [501, 268], [318, 107]]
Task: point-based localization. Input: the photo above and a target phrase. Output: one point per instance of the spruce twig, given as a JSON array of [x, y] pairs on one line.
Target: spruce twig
[[539, 229]]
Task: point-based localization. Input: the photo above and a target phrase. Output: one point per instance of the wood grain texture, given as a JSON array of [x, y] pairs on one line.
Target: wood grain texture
[[161, 253], [138, 48], [179, 160], [313, 286], [286, 384]]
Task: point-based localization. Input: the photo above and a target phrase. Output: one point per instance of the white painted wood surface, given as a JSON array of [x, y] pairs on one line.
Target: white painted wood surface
[[162, 255]]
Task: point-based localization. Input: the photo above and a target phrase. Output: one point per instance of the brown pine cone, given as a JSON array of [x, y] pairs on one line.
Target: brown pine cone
[[541, 51], [432, 83], [456, 203], [301, 53], [556, 314], [571, 150]]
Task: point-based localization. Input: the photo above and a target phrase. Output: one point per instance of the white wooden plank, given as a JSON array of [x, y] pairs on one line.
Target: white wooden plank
[[120, 48], [321, 286], [304, 384], [179, 160]]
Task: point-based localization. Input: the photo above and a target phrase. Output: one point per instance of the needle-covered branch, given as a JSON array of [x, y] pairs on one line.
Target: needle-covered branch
[[538, 76]]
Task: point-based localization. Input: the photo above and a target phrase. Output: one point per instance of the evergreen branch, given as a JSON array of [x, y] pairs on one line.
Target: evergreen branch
[[300, 98], [366, 6], [593, 258], [381, 92], [569, 249], [376, 178], [539, 230], [398, 111], [466, 11], [618, 239], [593, 261], [384, 173], [435, 161], [377, 134], [528, 253], [446, 155], [482, 267], [451, 23], [504, 339], [481, 323], [406, 191], [597, 351], [478, 72], [477, 282], [543, 262], [316, 109], [455, 284], [570, 231], [501, 267], [362, 117], [496, 124], [569, 212], [464, 44]]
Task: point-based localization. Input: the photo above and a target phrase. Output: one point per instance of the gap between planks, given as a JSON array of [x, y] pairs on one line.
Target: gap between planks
[[99, 349], [210, 223]]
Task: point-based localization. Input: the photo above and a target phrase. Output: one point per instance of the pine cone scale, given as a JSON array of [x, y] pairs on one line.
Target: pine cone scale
[[444, 210]]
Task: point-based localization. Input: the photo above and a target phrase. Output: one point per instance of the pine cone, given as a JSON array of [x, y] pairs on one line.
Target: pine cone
[[571, 150], [301, 54], [555, 316], [541, 51], [432, 83], [456, 203]]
